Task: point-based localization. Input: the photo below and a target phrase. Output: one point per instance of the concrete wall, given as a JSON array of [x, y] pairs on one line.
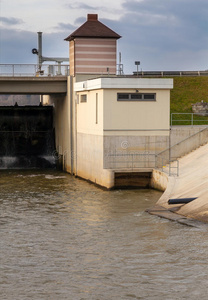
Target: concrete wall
[[63, 127], [159, 180], [133, 151], [89, 160], [179, 133]]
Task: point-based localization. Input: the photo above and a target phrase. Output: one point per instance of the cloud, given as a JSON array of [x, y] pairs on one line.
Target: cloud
[[81, 5], [161, 32], [65, 26], [10, 21]]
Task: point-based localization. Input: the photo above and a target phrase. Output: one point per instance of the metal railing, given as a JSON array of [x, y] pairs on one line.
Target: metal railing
[[132, 161], [33, 70], [170, 73], [167, 165], [168, 159], [46, 70], [129, 161], [188, 119]]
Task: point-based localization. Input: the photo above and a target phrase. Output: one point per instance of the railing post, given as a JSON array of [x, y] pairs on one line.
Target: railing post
[[192, 119]]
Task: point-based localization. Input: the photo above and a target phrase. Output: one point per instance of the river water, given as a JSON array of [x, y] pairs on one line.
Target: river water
[[63, 238]]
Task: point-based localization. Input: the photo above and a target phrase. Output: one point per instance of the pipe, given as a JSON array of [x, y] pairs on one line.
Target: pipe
[[181, 200], [39, 50]]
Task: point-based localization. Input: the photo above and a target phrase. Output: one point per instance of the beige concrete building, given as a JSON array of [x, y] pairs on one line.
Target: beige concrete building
[[109, 126], [121, 124]]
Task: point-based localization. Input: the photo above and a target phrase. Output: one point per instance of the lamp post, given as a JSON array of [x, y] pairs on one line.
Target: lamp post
[[137, 63]]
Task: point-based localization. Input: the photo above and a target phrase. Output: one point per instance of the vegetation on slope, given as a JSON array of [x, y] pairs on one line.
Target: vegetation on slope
[[187, 91]]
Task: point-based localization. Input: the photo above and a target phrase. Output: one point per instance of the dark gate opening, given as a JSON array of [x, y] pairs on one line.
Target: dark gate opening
[[133, 179], [26, 137]]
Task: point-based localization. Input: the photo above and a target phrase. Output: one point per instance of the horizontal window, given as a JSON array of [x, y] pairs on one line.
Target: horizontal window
[[136, 97], [83, 98]]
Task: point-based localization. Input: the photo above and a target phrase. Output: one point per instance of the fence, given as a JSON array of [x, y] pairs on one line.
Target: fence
[[188, 119], [46, 70], [170, 73], [33, 70]]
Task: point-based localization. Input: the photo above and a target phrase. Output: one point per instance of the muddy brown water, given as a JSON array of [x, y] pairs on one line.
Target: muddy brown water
[[63, 238]]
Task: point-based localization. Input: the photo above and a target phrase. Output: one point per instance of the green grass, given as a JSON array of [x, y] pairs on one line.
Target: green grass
[[187, 91]]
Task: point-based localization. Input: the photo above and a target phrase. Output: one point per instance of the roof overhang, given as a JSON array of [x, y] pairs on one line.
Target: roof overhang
[[124, 83]]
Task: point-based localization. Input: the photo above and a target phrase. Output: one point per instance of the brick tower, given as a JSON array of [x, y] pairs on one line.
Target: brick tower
[[93, 48]]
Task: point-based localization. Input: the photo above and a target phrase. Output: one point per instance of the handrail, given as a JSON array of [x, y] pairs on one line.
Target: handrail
[[171, 154], [46, 69], [33, 70]]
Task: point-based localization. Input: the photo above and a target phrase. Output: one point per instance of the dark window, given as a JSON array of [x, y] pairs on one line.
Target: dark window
[[149, 96], [136, 97], [123, 96], [83, 98]]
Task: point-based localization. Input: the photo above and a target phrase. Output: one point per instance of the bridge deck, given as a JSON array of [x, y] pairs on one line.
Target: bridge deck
[[33, 85]]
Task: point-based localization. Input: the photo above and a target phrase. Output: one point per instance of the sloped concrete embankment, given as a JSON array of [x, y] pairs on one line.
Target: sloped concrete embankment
[[192, 182]]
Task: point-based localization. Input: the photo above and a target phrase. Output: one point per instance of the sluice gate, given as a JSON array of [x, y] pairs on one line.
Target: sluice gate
[[27, 137]]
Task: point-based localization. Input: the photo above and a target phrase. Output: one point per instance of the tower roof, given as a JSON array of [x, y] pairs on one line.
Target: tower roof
[[93, 28]]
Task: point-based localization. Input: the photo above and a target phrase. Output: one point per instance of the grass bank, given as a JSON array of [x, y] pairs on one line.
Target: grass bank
[[187, 91]]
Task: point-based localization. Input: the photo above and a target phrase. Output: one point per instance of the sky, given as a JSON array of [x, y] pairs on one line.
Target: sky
[[161, 34]]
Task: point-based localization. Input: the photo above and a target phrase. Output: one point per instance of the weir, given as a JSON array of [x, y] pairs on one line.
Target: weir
[[27, 137]]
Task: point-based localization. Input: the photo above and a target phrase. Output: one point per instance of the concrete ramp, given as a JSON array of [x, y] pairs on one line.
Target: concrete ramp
[[192, 182]]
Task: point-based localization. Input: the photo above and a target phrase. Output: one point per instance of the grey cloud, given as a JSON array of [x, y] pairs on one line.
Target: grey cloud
[[168, 24], [65, 26], [80, 5], [190, 13], [11, 21], [163, 34]]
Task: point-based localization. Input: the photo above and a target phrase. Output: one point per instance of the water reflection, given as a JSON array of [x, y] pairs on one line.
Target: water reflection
[[63, 238]]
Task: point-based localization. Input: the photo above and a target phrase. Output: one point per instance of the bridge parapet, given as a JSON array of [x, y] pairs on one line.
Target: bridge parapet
[[12, 70]]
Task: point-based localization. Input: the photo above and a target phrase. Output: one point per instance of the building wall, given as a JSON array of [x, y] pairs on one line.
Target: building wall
[[89, 139], [134, 132], [137, 115], [90, 113], [92, 56]]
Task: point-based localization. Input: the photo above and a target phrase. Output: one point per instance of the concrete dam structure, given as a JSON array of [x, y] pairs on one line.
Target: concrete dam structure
[[27, 137], [109, 128]]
